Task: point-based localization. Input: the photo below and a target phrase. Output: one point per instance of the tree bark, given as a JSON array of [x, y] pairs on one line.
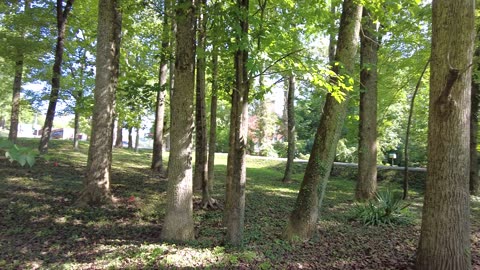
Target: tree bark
[[157, 152], [17, 87], [130, 137], [236, 170], [97, 181], [201, 152], [474, 178], [303, 219], [212, 139], [119, 133], [178, 224], [137, 139], [291, 129], [367, 132], [62, 14], [76, 129], [445, 232]]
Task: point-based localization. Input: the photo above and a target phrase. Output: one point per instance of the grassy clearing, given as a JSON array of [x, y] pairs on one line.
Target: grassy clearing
[[40, 228]]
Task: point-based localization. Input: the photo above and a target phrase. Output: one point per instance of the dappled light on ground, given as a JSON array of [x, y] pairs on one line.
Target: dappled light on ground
[[41, 229]]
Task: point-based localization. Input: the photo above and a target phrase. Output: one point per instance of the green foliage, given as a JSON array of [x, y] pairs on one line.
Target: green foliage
[[22, 155], [386, 209], [281, 148]]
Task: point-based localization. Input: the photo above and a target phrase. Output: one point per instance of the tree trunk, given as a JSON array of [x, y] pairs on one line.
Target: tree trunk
[[212, 139], [445, 233], [76, 130], [291, 129], [407, 134], [332, 37], [157, 152], [62, 15], [178, 224], [236, 170], [474, 178], [97, 181], [137, 139], [201, 169], [119, 132], [17, 87], [130, 138], [367, 132], [303, 219]]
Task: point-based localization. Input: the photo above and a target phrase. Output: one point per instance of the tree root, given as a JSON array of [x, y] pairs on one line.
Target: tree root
[[210, 204]]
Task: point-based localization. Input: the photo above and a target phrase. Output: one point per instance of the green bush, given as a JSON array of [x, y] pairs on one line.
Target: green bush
[[281, 148], [385, 209], [267, 150]]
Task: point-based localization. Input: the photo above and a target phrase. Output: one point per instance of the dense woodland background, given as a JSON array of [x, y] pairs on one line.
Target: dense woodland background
[[365, 82]]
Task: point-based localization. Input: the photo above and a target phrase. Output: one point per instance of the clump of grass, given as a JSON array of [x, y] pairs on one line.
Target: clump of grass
[[385, 209]]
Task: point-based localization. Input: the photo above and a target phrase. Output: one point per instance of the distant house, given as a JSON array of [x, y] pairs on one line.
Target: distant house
[[62, 134]]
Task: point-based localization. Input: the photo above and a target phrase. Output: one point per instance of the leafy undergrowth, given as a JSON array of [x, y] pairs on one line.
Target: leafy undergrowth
[[41, 229]]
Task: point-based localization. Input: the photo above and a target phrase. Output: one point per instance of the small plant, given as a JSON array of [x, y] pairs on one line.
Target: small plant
[[22, 155], [386, 209]]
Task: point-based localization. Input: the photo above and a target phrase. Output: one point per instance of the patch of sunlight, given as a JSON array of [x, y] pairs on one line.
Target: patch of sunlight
[[151, 256]]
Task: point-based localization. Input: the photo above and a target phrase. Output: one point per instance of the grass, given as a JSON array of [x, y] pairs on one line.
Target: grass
[[40, 228]]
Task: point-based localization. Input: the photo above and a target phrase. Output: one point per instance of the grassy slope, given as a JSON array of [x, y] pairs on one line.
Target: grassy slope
[[40, 228]]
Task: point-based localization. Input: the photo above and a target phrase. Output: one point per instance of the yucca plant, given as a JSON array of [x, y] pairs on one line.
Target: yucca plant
[[385, 209]]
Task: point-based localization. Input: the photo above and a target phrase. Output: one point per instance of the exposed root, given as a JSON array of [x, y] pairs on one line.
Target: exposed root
[[210, 204]]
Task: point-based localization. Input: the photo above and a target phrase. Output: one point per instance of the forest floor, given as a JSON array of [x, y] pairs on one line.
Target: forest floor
[[41, 229]]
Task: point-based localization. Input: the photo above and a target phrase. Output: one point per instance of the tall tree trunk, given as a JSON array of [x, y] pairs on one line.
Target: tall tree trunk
[[303, 219], [78, 95], [407, 133], [474, 178], [97, 181], [291, 129], [201, 166], [236, 170], [333, 35], [62, 14], [17, 86], [367, 132], [157, 152], [130, 137], [212, 139], [137, 139], [200, 173], [445, 233], [178, 224], [76, 129], [119, 133]]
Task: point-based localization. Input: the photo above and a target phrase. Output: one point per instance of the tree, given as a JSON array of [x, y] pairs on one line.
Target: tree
[[236, 169], [474, 177], [62, 14], [212, 138], [157, 152], [445, 232], [200, 173], [367, 146], [17, 83], [407, 133], [290, 129], [303, 219], [96, 189], [178, 224]]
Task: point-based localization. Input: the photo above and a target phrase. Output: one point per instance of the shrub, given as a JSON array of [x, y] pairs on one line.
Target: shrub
[[385, 209], [281, 148], [22, 155]]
